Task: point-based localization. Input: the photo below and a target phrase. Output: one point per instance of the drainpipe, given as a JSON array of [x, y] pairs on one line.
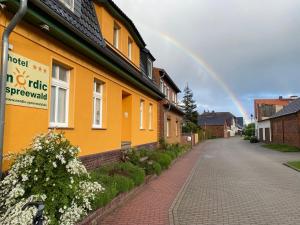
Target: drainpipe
[[4, 64]]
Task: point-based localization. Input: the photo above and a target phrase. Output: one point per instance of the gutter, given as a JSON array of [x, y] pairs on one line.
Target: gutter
[[4, 64]]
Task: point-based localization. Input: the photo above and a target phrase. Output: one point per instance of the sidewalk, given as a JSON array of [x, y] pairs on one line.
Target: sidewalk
[[151, 205]]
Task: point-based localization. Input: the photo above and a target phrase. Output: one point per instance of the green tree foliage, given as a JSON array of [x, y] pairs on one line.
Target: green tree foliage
[[250, 130]]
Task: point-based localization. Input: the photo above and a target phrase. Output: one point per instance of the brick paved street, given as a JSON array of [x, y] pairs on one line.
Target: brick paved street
[[236, 182], [151, 205]]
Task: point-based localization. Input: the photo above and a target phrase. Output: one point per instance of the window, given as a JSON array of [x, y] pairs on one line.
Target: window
[[68, 3], [116, 36], [168, 127], [267, 110], [149, 68], [165, 89], [168, 93], [150, 116], [161, 85], [97, 104], [59, 96], [142, 114], [129, 48], [176, 128]]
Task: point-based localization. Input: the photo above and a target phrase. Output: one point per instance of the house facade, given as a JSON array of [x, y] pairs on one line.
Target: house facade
[[170, 116], [82, 68], [219, 124], [264, 109], [285, 125]]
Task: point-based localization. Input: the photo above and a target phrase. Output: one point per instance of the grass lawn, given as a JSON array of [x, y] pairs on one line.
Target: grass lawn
[[282, 148], [294, 164]]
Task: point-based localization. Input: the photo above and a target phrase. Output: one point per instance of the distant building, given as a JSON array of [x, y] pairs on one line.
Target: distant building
[[170, 116], [264, 109], [286, 125], [219, 124]]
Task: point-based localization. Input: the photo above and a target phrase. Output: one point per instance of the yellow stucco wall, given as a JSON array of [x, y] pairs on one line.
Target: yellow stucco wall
[[23, 123], [106, 21]]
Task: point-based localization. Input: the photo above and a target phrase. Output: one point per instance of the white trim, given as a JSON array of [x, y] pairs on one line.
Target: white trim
[[59, 84], [97, 96]]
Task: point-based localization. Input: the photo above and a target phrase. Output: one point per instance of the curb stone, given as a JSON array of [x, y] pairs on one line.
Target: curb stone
[[286, 164]]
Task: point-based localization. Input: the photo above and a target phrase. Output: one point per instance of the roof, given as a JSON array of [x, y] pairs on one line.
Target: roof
[[80, 30], [240, 121], [119, 14], [215, 118], [174, 108], [167, 77], [291, 108], [82, 21]]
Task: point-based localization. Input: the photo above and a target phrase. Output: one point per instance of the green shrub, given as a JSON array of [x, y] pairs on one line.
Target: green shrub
[[123, 184], [109, 193], [153, 167], [136, 173], [162, 158], [247, 138], [172, 154]]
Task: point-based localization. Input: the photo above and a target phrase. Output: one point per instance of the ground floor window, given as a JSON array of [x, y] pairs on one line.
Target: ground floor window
[[59, 96], [142, 102], [97, 104], [150, 116], [176, 128], [168, 127]]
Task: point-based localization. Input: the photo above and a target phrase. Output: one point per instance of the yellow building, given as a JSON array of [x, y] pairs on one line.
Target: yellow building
[[80, 67]]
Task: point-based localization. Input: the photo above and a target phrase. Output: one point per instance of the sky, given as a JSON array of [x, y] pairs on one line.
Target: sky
[[228, 52]]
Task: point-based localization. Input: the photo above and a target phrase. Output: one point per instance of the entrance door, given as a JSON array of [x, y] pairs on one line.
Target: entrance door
[[126, 118]]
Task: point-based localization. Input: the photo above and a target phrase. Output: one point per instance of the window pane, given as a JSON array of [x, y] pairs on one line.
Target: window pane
[[97, 87], [97, 112], [52, 107], [62, 103], [54, 68], [63, 74]]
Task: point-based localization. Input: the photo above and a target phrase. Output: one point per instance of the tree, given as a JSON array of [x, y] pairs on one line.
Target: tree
[[189, 107]]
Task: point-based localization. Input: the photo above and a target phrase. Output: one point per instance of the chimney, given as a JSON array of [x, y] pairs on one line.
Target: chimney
[[280, 97]]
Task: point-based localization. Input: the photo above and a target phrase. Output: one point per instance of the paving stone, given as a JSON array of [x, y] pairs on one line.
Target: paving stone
[[236, 182]]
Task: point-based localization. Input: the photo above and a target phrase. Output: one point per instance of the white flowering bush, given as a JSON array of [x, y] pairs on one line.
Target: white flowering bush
[[48, 171]]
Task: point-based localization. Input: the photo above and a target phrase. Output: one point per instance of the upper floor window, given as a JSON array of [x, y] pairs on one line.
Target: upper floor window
[[116, 41], [267, 110], [97, 104], [168, 93], [149, 68], [68, 3], [59, 96], [129, 48], [162, 85]]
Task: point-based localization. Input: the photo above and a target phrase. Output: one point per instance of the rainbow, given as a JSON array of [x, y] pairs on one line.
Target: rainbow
[[204, 65]]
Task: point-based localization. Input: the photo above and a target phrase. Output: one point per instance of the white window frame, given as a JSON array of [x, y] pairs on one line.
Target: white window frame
[[150, 68], [98, 96], [71, 7], [62, 85], [176, 129], [116, 36], [129, 48], [142, 103], [150, 116]]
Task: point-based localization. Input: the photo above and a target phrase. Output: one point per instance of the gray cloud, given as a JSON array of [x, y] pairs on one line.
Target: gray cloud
[[253, 45]]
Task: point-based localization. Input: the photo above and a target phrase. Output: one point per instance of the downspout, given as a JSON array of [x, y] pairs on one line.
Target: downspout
[[4, 64]]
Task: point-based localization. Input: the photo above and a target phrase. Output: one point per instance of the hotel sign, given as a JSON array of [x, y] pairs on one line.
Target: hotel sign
[[27, 82]]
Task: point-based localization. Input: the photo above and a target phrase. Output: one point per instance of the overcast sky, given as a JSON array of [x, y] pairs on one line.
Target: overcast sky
[[253, 47]]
